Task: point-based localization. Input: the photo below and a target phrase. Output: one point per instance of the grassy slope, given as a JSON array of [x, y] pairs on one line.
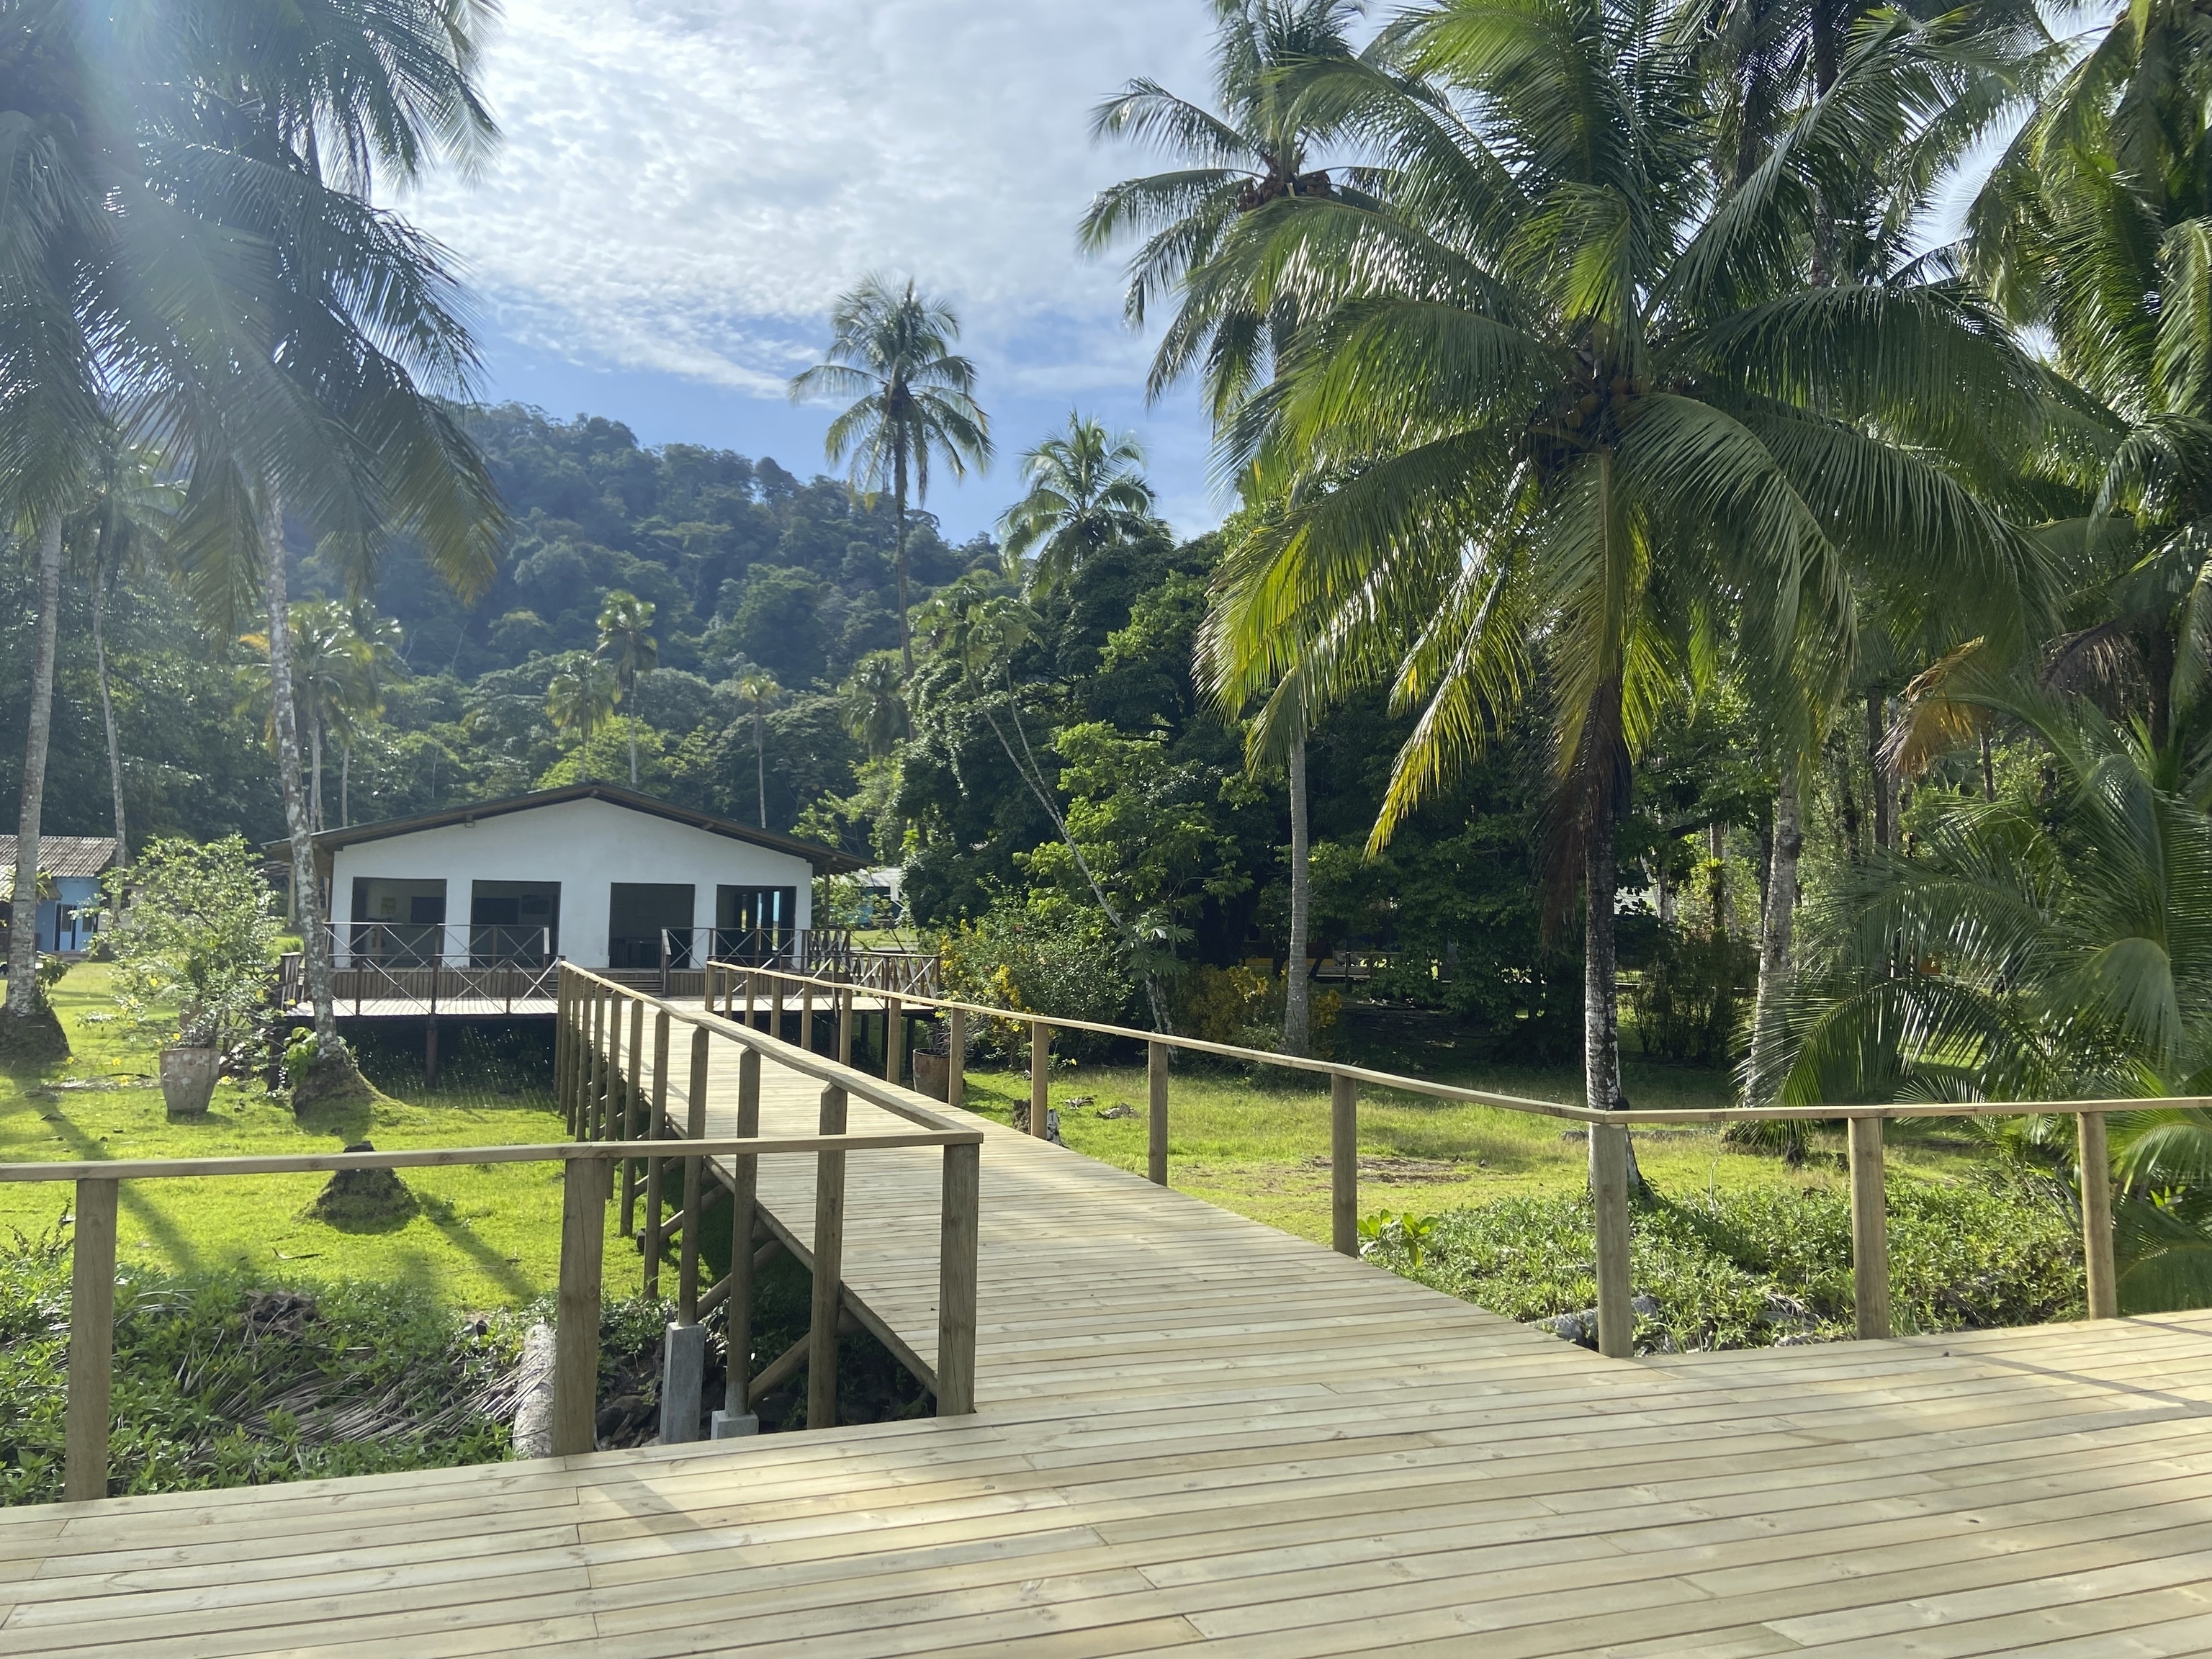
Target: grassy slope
[[486, 1235]]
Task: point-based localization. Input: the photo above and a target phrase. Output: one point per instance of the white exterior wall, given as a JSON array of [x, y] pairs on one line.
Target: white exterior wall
[[587, 846]]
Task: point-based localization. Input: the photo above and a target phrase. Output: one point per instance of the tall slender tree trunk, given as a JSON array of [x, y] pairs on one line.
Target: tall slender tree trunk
[[1776, 927], [315, 742], [633, 741], [345, 786], [760, 765], [1883, 789], [307, 905], [1298, 1025], [99, 580], [898, 558], [1601, 1090], [23, 1002]]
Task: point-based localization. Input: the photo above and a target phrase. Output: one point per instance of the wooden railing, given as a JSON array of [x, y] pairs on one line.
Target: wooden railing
[[596, 1090], [767, 991], [429, 968], [612, 1080]]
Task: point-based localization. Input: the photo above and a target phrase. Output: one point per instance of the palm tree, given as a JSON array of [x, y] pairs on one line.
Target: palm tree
[[625, 641], [873, 704], [376, 644], [760, 692], [1558, 399], [1257, 149], [1087, 494], [121, 309], [578, 697], [891, 351], [364, 329]]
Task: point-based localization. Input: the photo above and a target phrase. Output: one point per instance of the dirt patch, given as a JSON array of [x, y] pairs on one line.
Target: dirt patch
[[364, 1201], [1409, 1171], [32, 1038]]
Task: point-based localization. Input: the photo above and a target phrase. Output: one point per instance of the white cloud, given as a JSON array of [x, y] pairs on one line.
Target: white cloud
[[686, 183]]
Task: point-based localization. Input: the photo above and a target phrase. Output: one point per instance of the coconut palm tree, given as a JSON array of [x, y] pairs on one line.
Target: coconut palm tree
[[873, 704], [365, 338], [625, 641], [1257, 146], [1559, 399], [891, 350], [759, 692], [1087, 495], [578, 697]]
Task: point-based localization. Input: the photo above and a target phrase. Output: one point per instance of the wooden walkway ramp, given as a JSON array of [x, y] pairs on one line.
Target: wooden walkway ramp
[[1195, 1431]]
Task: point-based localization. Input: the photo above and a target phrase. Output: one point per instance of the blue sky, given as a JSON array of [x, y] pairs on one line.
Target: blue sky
[[685, 185]]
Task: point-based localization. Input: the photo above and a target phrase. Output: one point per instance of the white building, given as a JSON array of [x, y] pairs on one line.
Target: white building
[[598, 875]]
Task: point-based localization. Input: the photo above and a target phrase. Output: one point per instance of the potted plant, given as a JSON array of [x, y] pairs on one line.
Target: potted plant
[[193, 931]]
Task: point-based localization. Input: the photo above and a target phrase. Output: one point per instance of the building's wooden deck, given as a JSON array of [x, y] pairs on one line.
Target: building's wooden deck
[[1196, 1430]]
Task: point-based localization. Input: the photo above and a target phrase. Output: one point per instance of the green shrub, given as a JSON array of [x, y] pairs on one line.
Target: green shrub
[[1040, 956], [1747, 1269]]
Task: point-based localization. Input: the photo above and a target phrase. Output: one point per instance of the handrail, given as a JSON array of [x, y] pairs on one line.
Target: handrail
[[1608, 1132], [612, 1092], [590, 1076]]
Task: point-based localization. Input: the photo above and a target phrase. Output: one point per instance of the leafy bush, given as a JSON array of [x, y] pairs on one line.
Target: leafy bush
[[194, 928], [1040, 956], [1244, 1006], [1748, 1269], [1693, 995]]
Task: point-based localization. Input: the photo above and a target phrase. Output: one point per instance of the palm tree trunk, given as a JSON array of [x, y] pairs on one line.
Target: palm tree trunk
[[633, 752], [316, 746], [1884, 795], [315, 938], [1776, 927], [1298, 1028], [23, 925], [345, 785], [1601, 1090], [760, 765], [107, 710], [898, 532]]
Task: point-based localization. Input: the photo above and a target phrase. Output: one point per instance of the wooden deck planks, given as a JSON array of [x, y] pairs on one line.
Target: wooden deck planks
[[1196, 1432]]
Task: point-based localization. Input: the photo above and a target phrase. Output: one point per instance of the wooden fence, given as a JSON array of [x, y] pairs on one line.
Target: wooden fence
[[767, 991], [612, 1076], [597, 1091]]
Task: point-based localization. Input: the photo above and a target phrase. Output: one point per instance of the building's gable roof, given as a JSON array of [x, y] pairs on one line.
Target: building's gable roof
[[826, 860], [67, 856]]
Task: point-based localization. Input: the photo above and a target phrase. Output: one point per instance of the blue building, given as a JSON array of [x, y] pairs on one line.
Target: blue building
[[70, 868]]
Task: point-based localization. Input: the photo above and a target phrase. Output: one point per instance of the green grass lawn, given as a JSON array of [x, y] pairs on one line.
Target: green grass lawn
[[486, 1235], [489, 1234], [1259, 1146]]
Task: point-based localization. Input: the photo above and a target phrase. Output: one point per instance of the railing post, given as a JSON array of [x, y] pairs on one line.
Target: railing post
[[894, 1040], [576, 1328], [1156, 1113], [1869, 1228], [829, 1269], [956, 1281], [1039, 1076], [1343, 1164], [594, 1021], [845, 1026], [687, 1281], [657, 1117], [633, 1100], [91, 1341], [1616, 1319], [955, 1058], [753, 988], [775, 1008], [561, 1045], [2096, 1164], [745, 1175], [609, 1037], [707, 991], [806, 1016]]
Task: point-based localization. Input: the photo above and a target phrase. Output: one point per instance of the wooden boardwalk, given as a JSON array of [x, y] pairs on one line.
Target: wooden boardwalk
[[1196, 1430]]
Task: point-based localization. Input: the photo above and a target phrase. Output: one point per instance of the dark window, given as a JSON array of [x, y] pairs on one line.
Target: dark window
[[514, 921], [639, 913], [753, 924]]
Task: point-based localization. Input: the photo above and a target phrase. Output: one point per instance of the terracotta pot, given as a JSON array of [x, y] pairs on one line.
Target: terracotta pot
[[188, 1078], [930, 1072]]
